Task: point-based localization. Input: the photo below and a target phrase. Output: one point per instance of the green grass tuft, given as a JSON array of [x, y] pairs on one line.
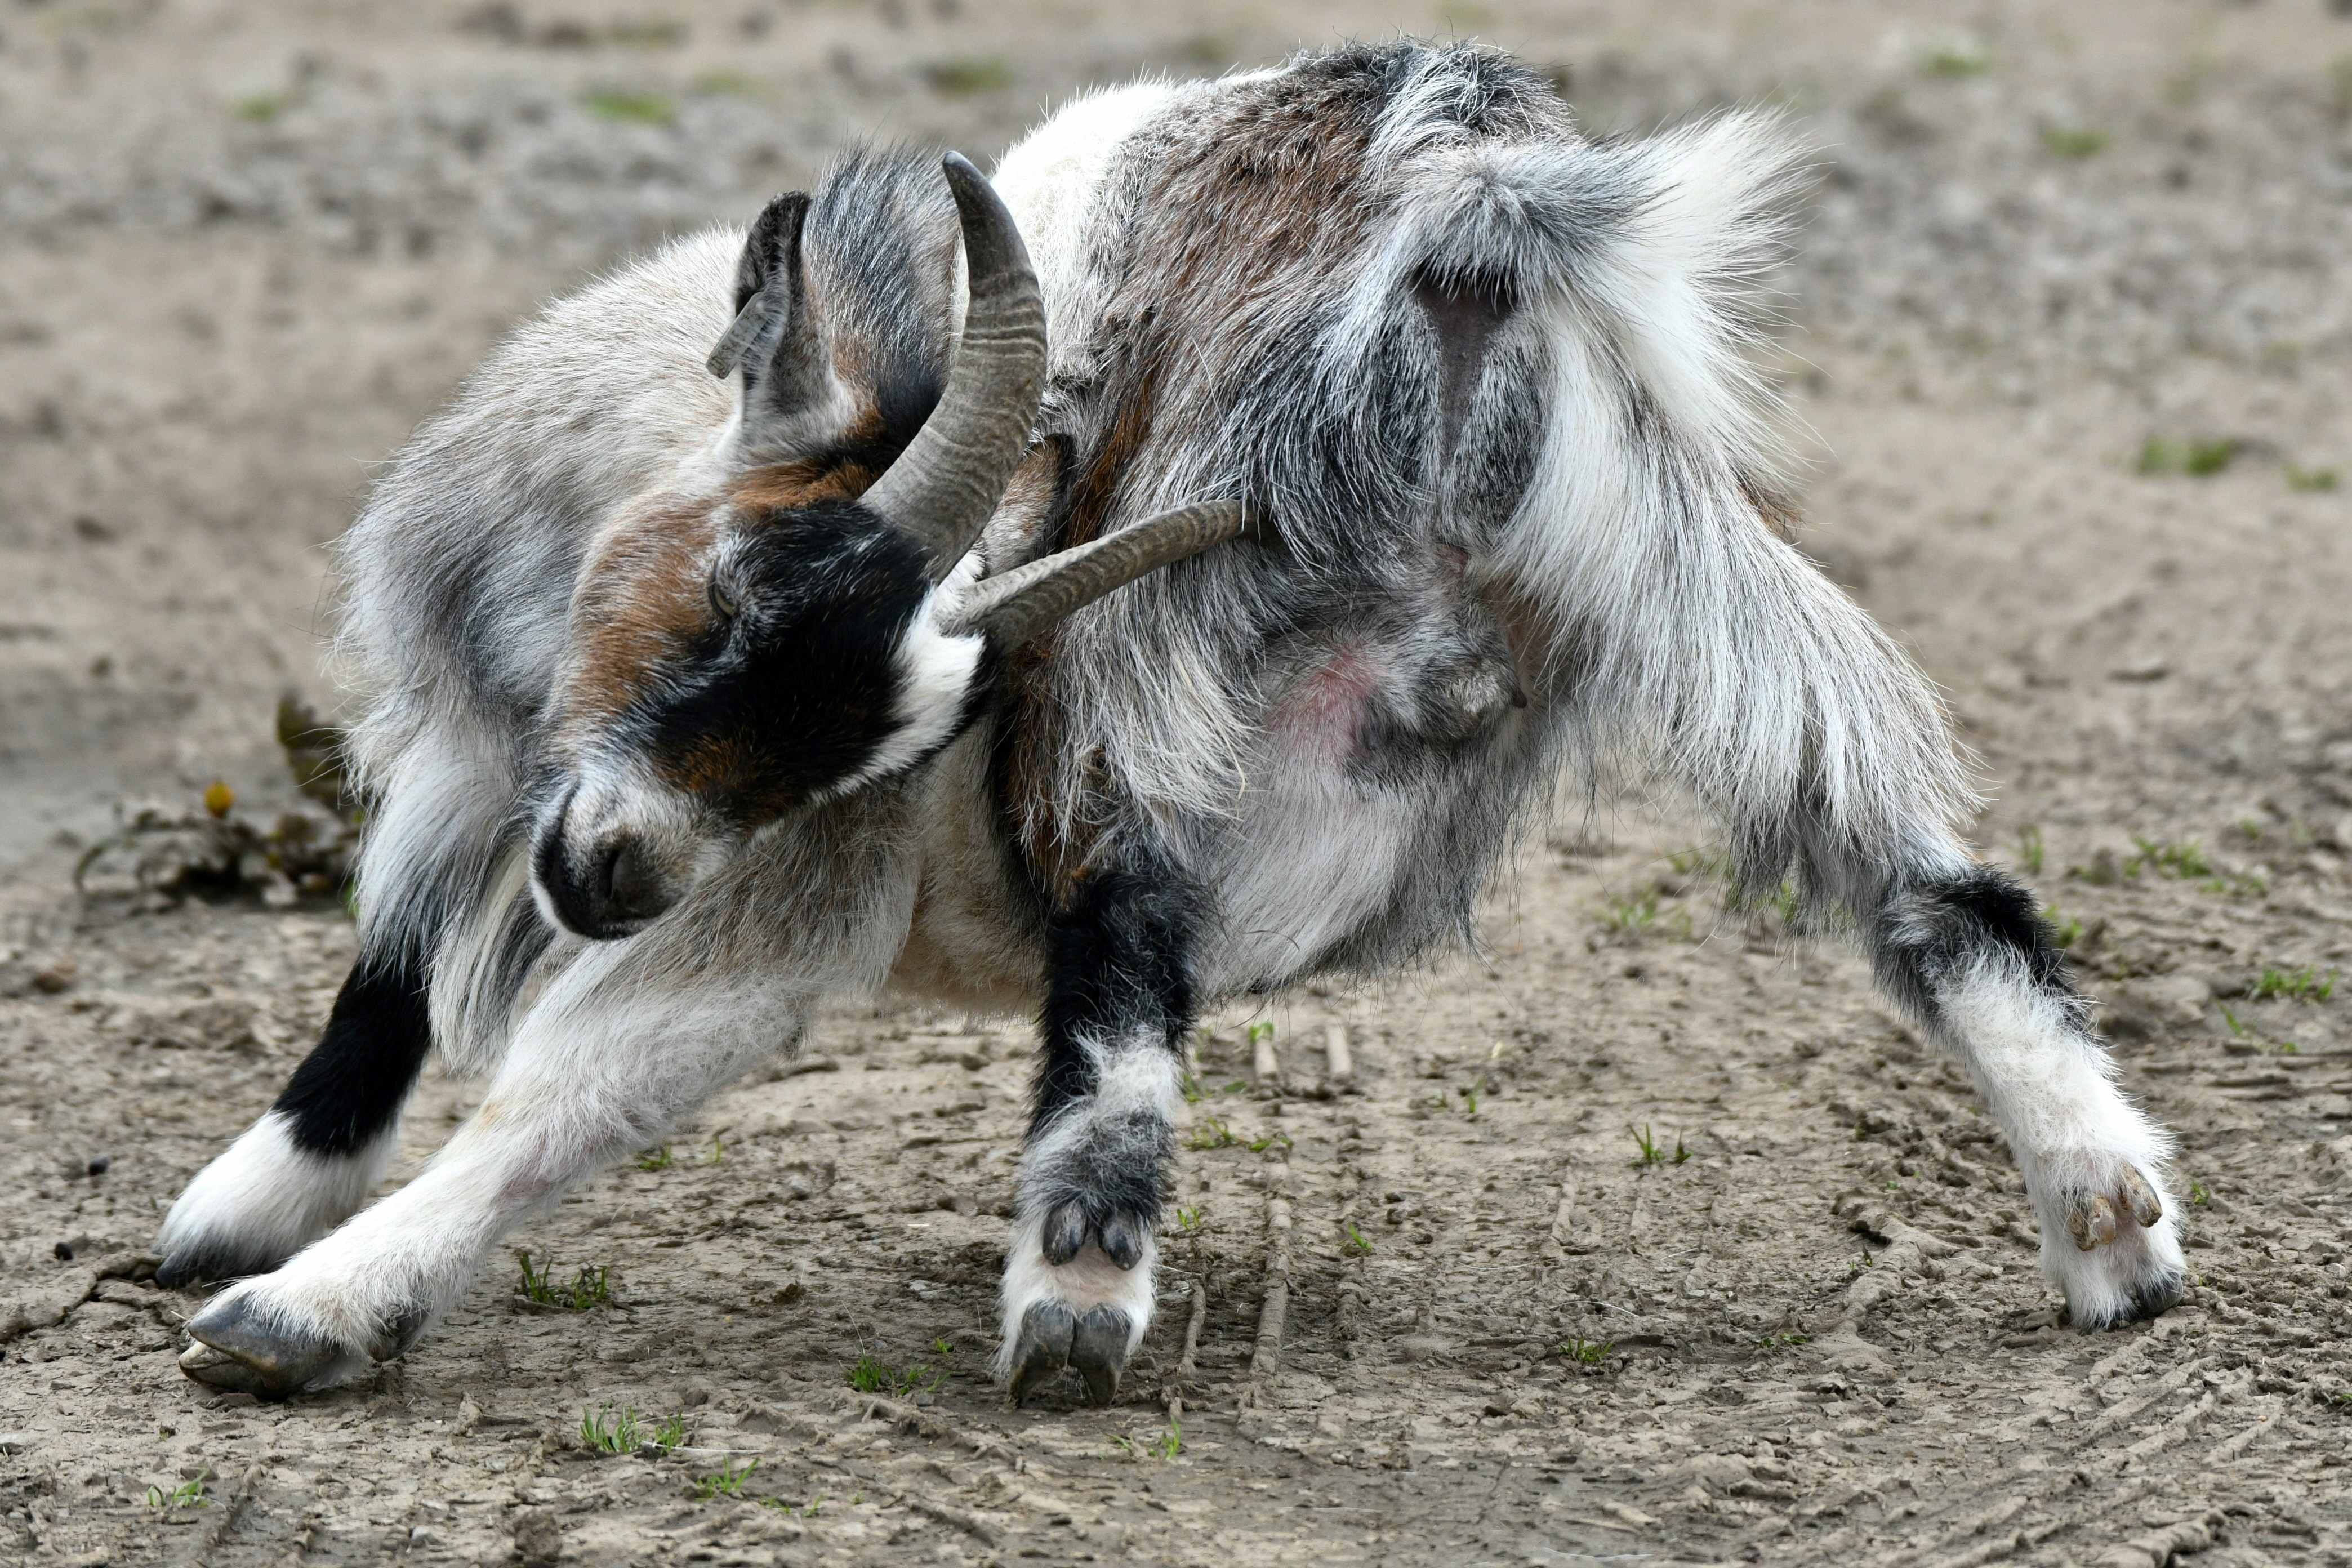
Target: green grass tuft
[[2198, 460], [871, 1375], [2304, 984], [1211, 1133], [2073, 141], [726, 1481], [1952, 62], [589, 1288], [626, 107], [188, 1494], [969, 75]]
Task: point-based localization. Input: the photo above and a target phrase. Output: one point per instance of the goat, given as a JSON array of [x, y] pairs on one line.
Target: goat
[[1482, 383]]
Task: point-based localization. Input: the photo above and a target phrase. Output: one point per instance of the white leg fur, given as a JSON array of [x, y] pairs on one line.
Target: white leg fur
[[610, 1057], [2075, 1136], [263, 1199]]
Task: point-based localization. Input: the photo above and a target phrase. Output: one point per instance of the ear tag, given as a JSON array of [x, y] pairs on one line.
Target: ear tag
[[737, 341]]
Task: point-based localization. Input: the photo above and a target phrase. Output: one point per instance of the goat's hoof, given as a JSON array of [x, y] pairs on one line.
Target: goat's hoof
[[1098, 1352], [1042, 1347], [201, 1263], [2125, 1265], [1052, 1338], [232, 1349]]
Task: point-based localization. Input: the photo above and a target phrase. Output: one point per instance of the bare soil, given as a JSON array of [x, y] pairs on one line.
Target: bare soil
[[2071, 326]]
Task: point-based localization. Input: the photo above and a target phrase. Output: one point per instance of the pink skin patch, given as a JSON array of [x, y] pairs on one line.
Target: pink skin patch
[[1321, 715]]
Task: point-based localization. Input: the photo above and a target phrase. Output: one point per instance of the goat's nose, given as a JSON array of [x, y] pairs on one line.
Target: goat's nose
[[629, 886]]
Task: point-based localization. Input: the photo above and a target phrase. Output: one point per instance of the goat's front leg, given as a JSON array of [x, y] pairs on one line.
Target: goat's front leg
[[615, 1052], [1079, 1283]]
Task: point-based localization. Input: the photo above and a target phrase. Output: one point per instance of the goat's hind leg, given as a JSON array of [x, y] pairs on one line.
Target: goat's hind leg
[[307, 1164], [615, 1051], [1079, 1281], [1967, 955]]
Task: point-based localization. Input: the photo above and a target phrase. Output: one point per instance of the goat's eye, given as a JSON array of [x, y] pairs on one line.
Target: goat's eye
[[723, 603]]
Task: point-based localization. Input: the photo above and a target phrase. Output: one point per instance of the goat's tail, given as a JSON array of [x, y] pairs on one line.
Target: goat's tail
[[1645, 459]]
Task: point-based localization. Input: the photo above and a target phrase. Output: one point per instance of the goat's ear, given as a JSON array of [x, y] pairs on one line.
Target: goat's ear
[[774, 339]]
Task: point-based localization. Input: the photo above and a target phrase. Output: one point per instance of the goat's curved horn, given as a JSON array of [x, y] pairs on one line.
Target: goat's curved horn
[[1017, 606], [950, 479]]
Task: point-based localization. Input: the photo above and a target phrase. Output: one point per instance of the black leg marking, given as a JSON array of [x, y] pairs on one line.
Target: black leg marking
[[1937, 931], [350, 1089], [1094, 1176]]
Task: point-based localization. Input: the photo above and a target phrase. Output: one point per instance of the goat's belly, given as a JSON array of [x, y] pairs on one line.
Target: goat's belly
[[1312, 865], [1373, 817]]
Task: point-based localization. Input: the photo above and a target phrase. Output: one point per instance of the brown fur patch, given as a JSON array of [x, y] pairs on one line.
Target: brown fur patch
[[642, 599]]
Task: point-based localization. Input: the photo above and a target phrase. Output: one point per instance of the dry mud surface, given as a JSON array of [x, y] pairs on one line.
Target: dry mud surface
[[244, 248]]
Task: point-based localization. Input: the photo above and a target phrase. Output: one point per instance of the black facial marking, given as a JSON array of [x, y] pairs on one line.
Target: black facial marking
[[802, 688]]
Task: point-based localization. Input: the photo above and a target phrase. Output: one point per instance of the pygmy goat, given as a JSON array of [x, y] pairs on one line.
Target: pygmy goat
[[689, 701]]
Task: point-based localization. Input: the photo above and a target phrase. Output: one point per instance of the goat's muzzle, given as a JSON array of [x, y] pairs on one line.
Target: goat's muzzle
[[601, 884]]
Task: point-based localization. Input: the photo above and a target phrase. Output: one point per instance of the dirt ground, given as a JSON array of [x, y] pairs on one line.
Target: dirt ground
[[2073, 331]]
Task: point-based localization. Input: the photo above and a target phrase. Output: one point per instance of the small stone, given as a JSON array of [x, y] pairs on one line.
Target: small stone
[[64, 1251], [99, 1166], [15, 1442], [424, 1535], [55, 976]]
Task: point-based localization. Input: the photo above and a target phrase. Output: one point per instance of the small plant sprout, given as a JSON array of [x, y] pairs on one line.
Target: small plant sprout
[[1357, 1241], [2200, 1194], [1193, 1091], [2311, 481], [1630, 916], [1211, 1134], [1648, 1153], [1778, 1341], [630, 108], [1954, 59], [2304, 984], [941, 1347], [871, 1375], [654, 1159], [1188, 1221], [718, 1149], [605, 1431], [1681, 1154], [1123, 1443], [1261, 1030], [1470, 1093], [1260, 1145], [2065, 929], [1586, 1352], [967, 75], [2073, 141], [589, 1288], [2030, 850], [2197, 459], [1171, 1442], [188, 1494], [726, 1481], [2179, 861]]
